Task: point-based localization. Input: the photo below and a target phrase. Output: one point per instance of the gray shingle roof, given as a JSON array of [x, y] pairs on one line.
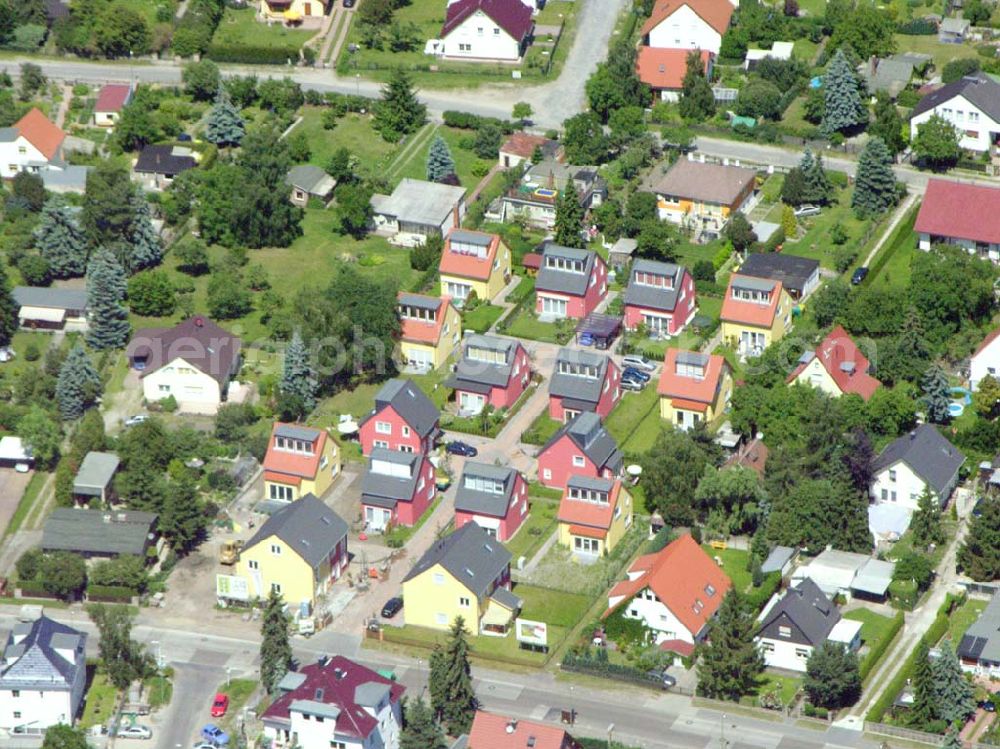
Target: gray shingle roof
[[506, 599], [409, 401], [419, 202], [470, 555], [754, 284], [97, 531], [311, 528], [806, 610], [95, 473], [485, 503], [591, 483], [371, 693], [565, 282], [310, 178], [421, 301], [928, 454], [297, 432], [980, 90], [981, 641], [793, 271], [578, 387], [478, 376], [37, 664], [592, 438], [711, 183], [37, 296], [652, 297], [384, 490]]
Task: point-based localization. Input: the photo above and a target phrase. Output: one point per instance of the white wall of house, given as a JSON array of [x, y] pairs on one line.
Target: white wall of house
[[685, 29], [34, 709], [898, 484], [989, 251], [313, 734], [647, 607], [975, 126], [479, 37], [195, 391], [815, 374], [986, 362], [791, 656], [17, 154]]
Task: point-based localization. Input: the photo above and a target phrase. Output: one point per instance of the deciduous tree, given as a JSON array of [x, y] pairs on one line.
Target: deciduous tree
[[62, 736], [888, 124], [697, 102], [40, 434], [937, 143], [124, 659]]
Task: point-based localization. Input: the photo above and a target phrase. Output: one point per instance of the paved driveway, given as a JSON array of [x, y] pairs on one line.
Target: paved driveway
[[12, 486]]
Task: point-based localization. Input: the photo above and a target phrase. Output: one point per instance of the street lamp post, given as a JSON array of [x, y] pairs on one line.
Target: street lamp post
[[611, 730], [722, 731]]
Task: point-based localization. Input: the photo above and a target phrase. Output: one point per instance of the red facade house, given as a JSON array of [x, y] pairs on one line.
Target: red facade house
[[397, 488], [492, 371], [571, 282], [582, 447], [660, 296], [583, 381], [493, 497], [403, 419]]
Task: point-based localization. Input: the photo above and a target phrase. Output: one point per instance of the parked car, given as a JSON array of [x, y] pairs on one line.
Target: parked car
[[639, 362], [185, 138], [804, 211], [635, 374], [202, 745], [586, 339], [860, 274], [633, 385], [987, 705], [666, 680], [136, 420], [214, 735], [219, 705], [461, 448], [392, 607], [135, 731]]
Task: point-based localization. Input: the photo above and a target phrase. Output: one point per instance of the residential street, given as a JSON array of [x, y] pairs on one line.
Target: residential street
[[640, 717]]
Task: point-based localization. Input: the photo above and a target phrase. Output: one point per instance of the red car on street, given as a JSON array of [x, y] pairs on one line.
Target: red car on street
[[219, 705]]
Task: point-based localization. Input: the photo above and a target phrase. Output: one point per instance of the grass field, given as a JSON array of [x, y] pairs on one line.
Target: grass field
[[99, 702], [240, 28], [644, 434], [963, 617], [929, 45], [895, 273], [734, 564], [481, 318], [353, 132], [788, 687], [632, 409], [524, 324], [239, 691], [148, 8], [542, 428], [541, 523]]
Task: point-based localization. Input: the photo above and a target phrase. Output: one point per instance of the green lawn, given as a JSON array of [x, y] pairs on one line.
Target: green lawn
[[27, 503], [554, 12], [466, 160], [690, 253], [399, 535], [239, 691], [929, 45], [805, 50], [481, 318], [874, 627], [632, 409], [891, 265], [555, 607], [541, 429], [159, 691], [240, 28], [788, 687], [353, 132], [963, 617], [734, 564], [643, 436], [534, 531], [147, 8], [99, 701], [524, 324]]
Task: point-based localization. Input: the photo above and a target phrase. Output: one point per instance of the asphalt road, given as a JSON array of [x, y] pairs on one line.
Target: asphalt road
[[641, 717]]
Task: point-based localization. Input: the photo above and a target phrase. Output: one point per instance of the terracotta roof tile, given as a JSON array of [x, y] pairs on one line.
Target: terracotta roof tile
[[750, 313], [419, 331], [41, 132], [580, 512], [716, 13], [464, 264], [492, 731], [665, 68], [282, 464], [845, 364], [698, 392], [112, 97]]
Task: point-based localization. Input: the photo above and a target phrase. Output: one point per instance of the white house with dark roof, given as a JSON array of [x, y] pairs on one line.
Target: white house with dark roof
[[487, 30], [43, 673], [971, 104], [798, 275], [793, 626], [922, 459]]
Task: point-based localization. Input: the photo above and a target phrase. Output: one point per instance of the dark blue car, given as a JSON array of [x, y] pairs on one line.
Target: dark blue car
[[461, 448], [631, 373]]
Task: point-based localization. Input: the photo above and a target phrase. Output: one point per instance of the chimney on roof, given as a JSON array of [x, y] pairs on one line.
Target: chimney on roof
[[322, 661], [511, 725]]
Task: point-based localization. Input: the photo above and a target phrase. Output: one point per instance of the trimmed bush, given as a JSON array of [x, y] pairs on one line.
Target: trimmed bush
[[110, 593], [917, 27], [467, 121], [904, 594], [34, 589], [250, 55]]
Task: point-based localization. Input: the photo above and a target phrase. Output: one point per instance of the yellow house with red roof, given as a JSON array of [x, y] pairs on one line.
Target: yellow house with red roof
[[474, 261], [300, 460], [694, 387], [431, 330], [594, 515], [755, 313]]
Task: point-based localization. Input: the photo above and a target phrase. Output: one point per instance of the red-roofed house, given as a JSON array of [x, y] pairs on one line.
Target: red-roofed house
[[663, 69], [492, 731], [486, 30], [520, 147], [985, 360], [300, 460], [111, 100], [836, 367], [960, 214], [694, 387], [594, 515], [335, 702], [675, 591], [756, 312], [31, 144], [688, 24], [474, 261], [430, 329]]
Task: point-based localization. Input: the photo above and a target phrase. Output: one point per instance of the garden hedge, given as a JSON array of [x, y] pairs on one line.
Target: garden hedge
[[110, 593], [875, 654], [251, 55]]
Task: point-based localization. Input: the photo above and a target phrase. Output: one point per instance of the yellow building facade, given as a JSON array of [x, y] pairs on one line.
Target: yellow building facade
[[680, 411], [274, 564], [316, 475], [753, 337], [292, 10], [589, 527]]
